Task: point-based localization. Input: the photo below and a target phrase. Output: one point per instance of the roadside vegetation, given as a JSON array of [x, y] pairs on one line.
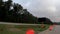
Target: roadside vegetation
[[20, 29]]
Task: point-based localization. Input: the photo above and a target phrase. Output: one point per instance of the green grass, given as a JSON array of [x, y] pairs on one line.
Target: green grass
[[4, 29]]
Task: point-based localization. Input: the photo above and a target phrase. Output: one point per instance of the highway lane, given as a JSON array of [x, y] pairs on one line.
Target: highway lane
[[17, 23]]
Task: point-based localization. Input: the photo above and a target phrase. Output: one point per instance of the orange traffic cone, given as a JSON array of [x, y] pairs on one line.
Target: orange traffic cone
[[30, 31], [51, 27]]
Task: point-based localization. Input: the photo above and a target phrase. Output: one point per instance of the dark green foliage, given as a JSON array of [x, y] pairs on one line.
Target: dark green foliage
[[15, 14], [44, 20]]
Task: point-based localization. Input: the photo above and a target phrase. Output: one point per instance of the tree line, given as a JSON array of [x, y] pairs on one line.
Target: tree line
[[14, 12]]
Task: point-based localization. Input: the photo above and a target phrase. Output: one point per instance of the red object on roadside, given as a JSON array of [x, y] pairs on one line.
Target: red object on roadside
[[51, 27], [30, 31]]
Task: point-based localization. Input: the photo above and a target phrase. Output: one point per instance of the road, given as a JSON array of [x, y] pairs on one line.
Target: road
[[17, 23], [56, 30]]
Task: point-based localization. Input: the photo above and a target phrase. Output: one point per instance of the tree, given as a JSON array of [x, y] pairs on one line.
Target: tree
[[28, 17], [16, 14], [1, 2], [7, 6], [44, 20]]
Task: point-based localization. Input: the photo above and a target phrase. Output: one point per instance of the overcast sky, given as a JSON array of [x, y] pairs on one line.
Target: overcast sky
[[42, 8]]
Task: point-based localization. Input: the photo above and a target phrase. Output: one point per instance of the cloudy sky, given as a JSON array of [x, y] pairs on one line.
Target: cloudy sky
[[42, 8]]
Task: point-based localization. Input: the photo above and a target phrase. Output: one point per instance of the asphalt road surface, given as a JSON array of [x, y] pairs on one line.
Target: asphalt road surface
[[17, 23], [56, 30]]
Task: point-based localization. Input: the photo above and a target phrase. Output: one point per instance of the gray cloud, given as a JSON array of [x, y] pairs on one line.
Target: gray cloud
[[42, 8]]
